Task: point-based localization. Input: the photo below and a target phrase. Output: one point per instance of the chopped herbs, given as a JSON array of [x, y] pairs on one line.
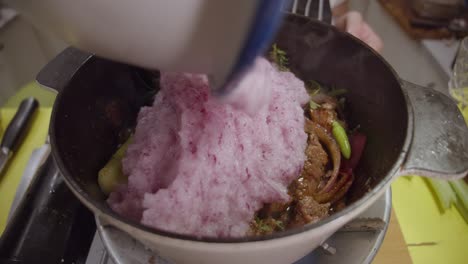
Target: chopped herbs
[[313, 87], [279, 224], [313, 105], [262, 226], [278, 56], [337, 92], [266, 226]]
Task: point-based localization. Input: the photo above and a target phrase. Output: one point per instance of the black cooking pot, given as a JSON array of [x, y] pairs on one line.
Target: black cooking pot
[[410, 129]]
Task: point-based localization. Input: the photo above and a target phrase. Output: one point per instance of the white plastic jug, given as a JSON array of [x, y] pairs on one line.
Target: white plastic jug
[[217, 37]]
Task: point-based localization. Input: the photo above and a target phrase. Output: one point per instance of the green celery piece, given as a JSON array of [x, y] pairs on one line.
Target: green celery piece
[[443, 192], [120, 153], [111, 175], [461, 189], [462, 210]]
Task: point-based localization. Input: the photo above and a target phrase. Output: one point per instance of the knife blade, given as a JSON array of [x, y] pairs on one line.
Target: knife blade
[[4, 157], [16, 130], [36, 161]]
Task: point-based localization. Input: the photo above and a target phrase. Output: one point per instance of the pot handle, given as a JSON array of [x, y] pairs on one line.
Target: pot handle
[[439, 146], [58, 72]]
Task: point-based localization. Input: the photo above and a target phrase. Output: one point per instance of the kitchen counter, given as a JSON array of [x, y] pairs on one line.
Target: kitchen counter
[[393, 249]]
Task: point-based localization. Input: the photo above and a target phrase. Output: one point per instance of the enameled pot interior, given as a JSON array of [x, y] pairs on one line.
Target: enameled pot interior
[[99, 106]]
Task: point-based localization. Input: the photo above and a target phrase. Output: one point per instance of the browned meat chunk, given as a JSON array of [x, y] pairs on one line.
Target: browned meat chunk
[[317, 159], [309, 211], [324, 116]]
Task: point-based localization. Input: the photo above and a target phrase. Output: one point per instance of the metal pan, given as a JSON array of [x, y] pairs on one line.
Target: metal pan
[[410, 129]]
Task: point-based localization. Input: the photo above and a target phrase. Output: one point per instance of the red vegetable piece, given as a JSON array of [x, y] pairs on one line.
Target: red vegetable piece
[[357, 142]]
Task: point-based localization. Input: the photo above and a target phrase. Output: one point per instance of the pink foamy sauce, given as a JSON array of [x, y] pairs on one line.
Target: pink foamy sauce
[[203, 167]]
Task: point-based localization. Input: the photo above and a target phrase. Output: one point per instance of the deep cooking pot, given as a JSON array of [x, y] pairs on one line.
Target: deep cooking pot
[[410, 129]]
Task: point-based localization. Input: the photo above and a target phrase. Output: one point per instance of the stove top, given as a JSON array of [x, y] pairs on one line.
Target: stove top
[[50, 225]]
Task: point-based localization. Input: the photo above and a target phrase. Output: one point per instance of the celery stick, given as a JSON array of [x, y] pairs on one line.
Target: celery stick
[[462, 210], [119, 154], [111, 175], [443, 192], [461, 189]]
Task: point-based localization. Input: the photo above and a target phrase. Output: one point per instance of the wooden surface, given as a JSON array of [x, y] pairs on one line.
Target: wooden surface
[[394, 249], [401, 12]]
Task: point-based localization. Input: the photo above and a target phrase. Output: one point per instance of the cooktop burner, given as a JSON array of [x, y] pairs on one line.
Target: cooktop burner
[[112, 246], [51, 226]]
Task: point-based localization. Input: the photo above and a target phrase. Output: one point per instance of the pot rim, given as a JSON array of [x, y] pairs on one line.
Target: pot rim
[[121, 220]]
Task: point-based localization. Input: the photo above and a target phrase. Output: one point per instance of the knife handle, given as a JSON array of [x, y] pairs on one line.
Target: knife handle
[[18, 124]]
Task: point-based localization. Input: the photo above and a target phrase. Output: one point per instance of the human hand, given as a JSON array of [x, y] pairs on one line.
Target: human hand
[[353, 23]]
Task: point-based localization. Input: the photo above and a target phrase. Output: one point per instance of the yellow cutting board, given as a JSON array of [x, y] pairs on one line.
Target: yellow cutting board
[[35, 138], [431, 237]]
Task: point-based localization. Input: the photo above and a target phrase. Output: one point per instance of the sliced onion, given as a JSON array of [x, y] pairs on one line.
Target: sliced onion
[[333, 149], [323, 98], [343, 190], [336, 188]]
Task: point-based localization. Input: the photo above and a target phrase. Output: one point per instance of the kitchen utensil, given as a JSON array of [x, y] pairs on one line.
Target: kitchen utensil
[[319, 10], [37, 159], [16, 129], [410, 129], [220, 38]]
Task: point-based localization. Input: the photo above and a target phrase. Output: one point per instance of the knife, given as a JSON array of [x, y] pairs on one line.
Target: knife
[[38, 157], [16, 130]]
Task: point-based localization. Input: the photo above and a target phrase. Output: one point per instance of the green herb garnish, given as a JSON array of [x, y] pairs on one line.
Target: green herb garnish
[[313, 87], [313, 105], [262, 226], [279, 224], [268, 225], [337, 92], [278, 56]]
